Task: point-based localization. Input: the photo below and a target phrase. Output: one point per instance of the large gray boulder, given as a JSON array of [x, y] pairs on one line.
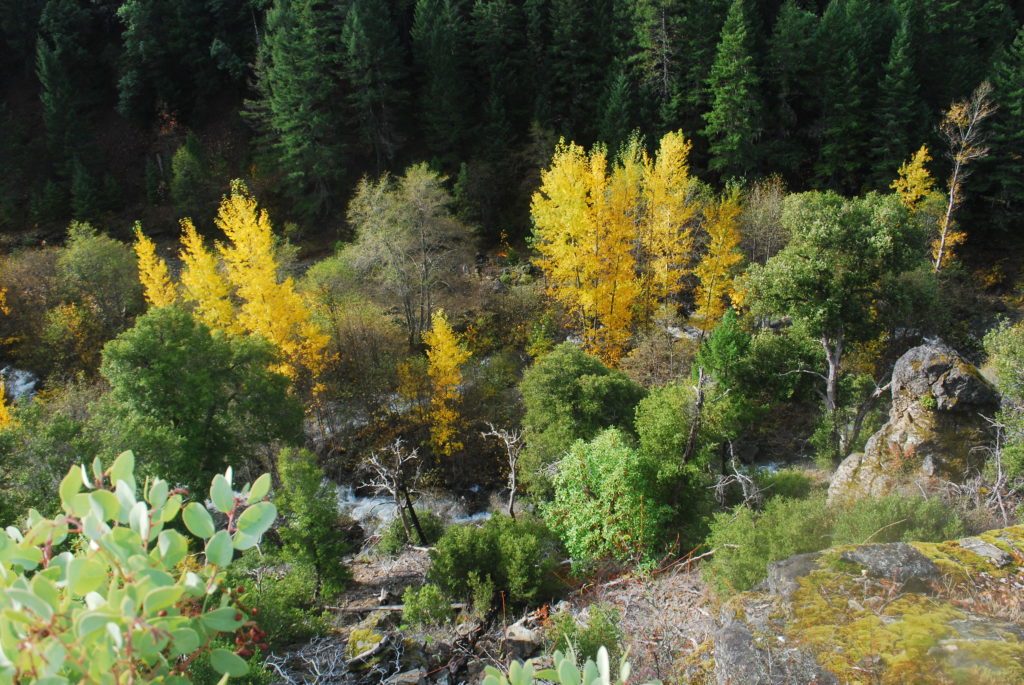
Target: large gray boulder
[[936, 430]]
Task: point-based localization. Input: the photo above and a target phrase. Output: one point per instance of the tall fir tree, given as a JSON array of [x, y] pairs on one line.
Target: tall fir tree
[[498, 44], [793, 101], [852, 36], [898, 111], [182, 54], [736, 116], [1005, 171], [300, 108], [955, 40], [375, 72], [440, 47], [581, 55]]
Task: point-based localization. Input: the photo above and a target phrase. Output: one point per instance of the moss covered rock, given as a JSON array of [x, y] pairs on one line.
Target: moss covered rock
[[933, 433], [947, 612]]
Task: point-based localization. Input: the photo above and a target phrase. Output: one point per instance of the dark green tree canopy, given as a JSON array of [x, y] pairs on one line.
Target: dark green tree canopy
[[211, 396], [571, 395]]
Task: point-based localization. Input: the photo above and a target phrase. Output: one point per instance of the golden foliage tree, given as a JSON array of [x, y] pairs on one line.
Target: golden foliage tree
[[270, 307], [715, 270], [6, 413], [156, 281], [203, 284], [614, 239], [584, 235], [445, 356], [666, 236], [241, 293], [914, 182]]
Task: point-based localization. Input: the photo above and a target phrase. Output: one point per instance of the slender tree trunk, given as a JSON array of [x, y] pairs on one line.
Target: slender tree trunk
[[698, 410], [833, 354], [414, 517], [512, 484]]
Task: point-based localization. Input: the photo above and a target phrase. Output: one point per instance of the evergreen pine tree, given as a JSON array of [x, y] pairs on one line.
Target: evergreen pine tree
[[616, 122], [61, 118], [440, 52], [1006, 169], [794, 103], [374, 69], [86, 198], [581, 54], [499, 59], [954, 41], [852, 36], [300, 110], [898, 110], [733, 124]]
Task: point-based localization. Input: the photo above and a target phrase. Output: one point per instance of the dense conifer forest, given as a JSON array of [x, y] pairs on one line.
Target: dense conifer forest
[[398, 340]]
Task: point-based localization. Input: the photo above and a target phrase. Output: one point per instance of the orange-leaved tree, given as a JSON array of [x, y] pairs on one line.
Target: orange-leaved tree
[[445, 356]]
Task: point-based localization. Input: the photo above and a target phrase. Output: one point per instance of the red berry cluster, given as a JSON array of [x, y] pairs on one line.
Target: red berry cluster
[[250, 636]]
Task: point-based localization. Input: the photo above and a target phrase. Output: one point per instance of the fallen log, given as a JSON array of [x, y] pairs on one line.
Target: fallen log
[[367, 608]]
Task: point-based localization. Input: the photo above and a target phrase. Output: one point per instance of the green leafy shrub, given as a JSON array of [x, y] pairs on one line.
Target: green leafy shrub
[[897, 518], [119, 605], [607, 501], [394, 539], [311, 532], [425, 606], [791, 483], [745, 540], [569, 395], [517, 556], [282, 592], [585, 640]]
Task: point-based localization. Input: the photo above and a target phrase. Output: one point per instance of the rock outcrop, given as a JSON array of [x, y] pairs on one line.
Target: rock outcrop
[[934, 432], [947, 612]]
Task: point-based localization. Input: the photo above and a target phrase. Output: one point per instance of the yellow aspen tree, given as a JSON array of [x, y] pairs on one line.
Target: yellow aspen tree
[[445, 356], [584, 233], [6, 411], [666, 237], [613, 262], [715, 270], [914, 182], [270, 308], [156, 281], [204, 285]]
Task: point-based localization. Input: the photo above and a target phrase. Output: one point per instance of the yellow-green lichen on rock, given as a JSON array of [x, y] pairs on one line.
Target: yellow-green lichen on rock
[[920, 613]]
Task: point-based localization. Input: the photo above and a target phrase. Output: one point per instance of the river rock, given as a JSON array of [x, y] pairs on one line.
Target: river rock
[[935, 433]]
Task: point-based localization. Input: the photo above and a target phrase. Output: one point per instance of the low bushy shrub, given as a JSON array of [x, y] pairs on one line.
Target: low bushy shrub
[[608, 501], [897, 519], [792, 483], [394, 539], [425, 606], [282, 591], [745, 541], [517, 556], [601, 630]]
